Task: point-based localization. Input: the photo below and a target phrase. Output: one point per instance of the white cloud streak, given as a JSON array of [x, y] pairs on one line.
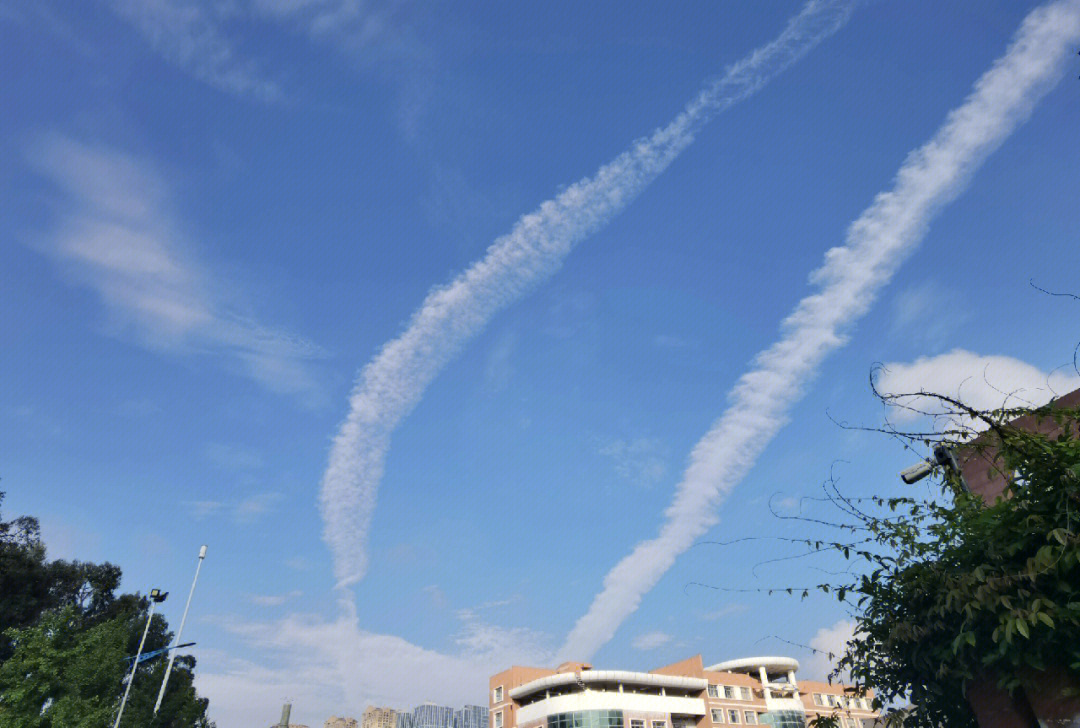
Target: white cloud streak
[[876, 244], [393, 382], [116, 236]]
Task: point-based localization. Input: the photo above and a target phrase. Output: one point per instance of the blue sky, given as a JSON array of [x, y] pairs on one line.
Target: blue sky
[[215, 215]]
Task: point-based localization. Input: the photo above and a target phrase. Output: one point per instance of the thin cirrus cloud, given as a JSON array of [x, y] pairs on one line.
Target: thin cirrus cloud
[[202, 38], [392, 383], [877, 243], [650, 640], [115, 235]]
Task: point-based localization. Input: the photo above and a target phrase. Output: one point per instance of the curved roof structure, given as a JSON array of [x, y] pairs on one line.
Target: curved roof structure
[[609, 676], [771, 663]]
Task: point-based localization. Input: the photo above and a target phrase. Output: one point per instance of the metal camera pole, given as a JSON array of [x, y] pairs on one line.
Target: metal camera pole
[[156, 596], [180, 631]]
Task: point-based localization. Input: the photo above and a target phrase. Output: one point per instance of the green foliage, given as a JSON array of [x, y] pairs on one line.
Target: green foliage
[[64, 637], [63, 674], [954, 590]]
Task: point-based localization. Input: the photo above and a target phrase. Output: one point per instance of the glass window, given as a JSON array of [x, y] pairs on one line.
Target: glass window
[[714, 691], [746, 694], [586, 719], [831, 700], [818, 700], [717, 715], [729, 692], [497, 694], [784, 718], [498, 719], [659, 724], [637, 723], [751, 717], [733, 716]]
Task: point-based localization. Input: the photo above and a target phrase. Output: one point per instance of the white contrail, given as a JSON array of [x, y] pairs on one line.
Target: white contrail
[[393, 382], [876, 244]]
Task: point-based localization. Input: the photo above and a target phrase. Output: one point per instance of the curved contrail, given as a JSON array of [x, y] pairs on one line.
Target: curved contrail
[[877, 243], [392, 383]]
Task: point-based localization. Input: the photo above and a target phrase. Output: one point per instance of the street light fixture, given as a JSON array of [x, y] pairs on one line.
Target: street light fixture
[[180, 631], [156, 597]]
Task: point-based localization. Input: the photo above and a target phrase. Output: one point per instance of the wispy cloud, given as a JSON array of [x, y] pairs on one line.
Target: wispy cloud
[[641, 461], [243, 511], [650, 640], [723, 612], [205, 38], [877, 243], [980, 381], [189, 35], [274, 600], [116, 235], [233, 457], [928, 313], [393, 382]]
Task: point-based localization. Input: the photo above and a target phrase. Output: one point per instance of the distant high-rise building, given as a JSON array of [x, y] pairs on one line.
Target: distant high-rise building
[[404, 720], [379, 718], [471, 716], [430, 715]]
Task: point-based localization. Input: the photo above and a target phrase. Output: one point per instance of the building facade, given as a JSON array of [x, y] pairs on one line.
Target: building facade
[[687, 694], [378, 718], [471, 716], [430, 715]]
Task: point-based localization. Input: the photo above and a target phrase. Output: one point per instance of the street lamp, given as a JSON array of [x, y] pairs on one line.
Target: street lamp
[[156, 597], [176, 642]]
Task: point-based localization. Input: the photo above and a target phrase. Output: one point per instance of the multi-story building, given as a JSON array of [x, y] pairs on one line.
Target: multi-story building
[[751, 691], [404, 720], [471, 716], [429, 715], [378, 718]]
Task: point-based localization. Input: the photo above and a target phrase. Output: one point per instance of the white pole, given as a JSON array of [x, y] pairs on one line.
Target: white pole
[[176, 641], [135, 666]]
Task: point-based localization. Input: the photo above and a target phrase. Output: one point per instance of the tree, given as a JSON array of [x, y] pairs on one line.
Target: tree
[[65, 635], [62, 675], [949, 590]]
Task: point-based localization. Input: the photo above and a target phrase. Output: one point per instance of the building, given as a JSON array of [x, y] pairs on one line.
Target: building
[[471, 716], [404, 720], [430, 715], [378, 718], [751, 691], [335, 721]]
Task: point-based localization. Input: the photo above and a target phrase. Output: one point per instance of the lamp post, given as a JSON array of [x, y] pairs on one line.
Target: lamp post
[[156, 597], [176, 641]]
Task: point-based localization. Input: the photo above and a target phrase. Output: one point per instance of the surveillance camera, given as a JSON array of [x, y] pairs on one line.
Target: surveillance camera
[[916, 472]]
